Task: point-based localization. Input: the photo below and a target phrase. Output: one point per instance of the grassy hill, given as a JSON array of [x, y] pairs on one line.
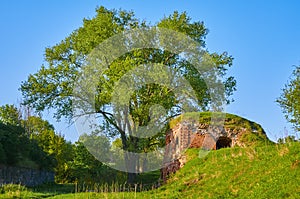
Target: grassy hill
[[253, 133], [269, 171], [253, 172]]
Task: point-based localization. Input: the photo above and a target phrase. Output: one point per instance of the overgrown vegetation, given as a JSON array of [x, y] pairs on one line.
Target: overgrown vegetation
[[66, 67], [261, 169], [253, 134], [270, 171], [17, 149], [32, 142]]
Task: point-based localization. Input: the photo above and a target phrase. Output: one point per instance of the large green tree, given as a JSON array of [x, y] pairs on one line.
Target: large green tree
[[52, 86], [289, 100]]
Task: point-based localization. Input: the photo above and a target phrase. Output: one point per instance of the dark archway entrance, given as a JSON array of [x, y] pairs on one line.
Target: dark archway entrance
[[223, 142]]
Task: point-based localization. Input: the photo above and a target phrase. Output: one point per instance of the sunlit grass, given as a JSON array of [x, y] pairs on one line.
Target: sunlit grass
[[270, 171]]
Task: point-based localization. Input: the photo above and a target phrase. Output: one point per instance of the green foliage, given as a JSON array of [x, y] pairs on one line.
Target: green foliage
[[288, 139], [9, 114], [31, 142], [54, 146], [12, 188], [253, 172], [270, 171], [201, 117], [253, 132], [250, 138], [10, 140], [12, 191], [289, 100], [52, 85], [54, 188], [2, 154], [36, 145], [85, 168], [19, 150], [42, 191]]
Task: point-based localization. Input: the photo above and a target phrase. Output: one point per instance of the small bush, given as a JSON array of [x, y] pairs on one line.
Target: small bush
[[12, 188]]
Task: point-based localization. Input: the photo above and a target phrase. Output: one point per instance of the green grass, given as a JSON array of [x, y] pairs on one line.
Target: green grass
[[270, 171], [43, 191], [253, 172], [230, 120]]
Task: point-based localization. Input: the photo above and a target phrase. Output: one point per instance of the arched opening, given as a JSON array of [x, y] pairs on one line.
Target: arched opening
[[223, 142]]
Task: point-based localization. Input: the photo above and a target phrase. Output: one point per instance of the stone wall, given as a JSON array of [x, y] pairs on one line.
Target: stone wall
[[188, 132], [24, 176], [195, 135]]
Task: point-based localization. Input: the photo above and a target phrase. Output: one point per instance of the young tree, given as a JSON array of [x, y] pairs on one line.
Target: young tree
[[52, 86], [289, 100]]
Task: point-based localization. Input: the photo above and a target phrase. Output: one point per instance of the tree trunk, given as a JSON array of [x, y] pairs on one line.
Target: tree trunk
[[131, 161]]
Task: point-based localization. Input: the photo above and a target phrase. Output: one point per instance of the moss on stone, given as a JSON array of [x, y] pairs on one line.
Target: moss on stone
[[253, 132]]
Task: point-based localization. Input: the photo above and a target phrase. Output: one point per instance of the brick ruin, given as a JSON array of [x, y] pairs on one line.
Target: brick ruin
[[191, 134]]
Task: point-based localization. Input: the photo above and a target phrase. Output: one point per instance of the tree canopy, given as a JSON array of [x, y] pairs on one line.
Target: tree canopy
[[33, 143], [9, 114], [52, 86], [289, 100], [16, 146]]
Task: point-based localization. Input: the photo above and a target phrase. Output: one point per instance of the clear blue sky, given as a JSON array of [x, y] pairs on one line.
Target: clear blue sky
[[262, 36]]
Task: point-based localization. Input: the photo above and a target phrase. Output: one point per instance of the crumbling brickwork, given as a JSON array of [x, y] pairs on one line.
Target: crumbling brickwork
[[194, 135]]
